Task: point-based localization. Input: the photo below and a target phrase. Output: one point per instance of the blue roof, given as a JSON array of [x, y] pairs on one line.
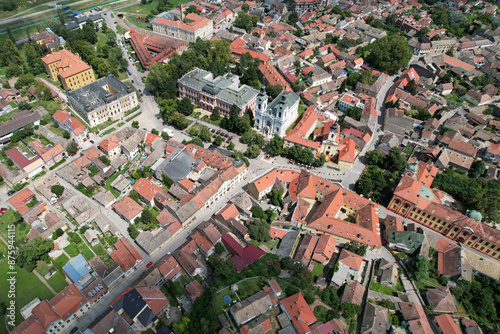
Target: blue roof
[[76, 268]]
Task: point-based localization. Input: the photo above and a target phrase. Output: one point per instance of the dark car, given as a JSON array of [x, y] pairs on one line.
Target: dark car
[[12, 192], [3, 209], [92, 142], [74, 330], [295, 228], [286, 227], [149, 264]]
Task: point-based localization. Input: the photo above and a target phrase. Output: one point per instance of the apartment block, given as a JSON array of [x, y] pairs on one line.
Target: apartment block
[[69, 68]]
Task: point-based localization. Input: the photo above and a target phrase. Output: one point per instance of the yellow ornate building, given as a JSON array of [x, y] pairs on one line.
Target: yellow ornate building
[[69, 68], [414, 199]]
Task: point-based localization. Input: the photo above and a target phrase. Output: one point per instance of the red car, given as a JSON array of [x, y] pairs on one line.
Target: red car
[[149, 178], [149, 264], [73, 154]]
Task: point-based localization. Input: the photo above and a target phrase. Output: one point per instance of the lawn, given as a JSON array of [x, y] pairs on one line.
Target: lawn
[[134, 20], [385, 289], [99, 250], [120, 124], [50, 106], [60, 262], [72, 250], [85, 250], [57, 164], [58, 282], [107, 185], [318, 268], [142, 9], [43, 268], [249, 287], [8, 218], [108, 131], [219, 303], [134, 116], [28, 286], [185, 279], [120, 29]]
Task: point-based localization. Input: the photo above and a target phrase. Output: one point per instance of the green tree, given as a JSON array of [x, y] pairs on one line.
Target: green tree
[[319, 161], [215, 116], [390, 53], [205, 134], [349, 311], [134, 195], [252, 151], [411, 87], [185, 106], [57, 189], [36, 250], [366, 77], [219, 248], [218, 141], [89, 32], [395, 161], [343, 86], [133, 231], [105, 160], [276, 145], [420, 268], [246, 138], [257, 212], [477, 169], [329, 296], [375, 157], [230, 146], [259, 230], [274, 90], [9, 54], [66, 134], [146, 217], [487, 201], [71, 147]]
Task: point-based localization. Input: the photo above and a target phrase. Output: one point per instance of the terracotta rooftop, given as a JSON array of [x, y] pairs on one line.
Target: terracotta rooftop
[[350, 259], [127, 207], [146, 189], [109, 143], [68, 64], [300, 313], [65, 117], [68, 301], [125, 255], [20, 200]]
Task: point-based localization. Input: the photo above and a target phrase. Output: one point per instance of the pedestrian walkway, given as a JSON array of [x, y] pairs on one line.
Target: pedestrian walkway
[[44, 282]]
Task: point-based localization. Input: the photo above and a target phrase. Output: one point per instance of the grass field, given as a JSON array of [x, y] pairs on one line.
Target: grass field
[[8, 218], [318, 268], [71, 250], [120, 29], [99, 250], [387, 290], [28, 286], [43, 268], [134, 20], [58, 282], [219, 303], [23, 5], [60, 261], [86, 252], [249, 287], [142, 9]]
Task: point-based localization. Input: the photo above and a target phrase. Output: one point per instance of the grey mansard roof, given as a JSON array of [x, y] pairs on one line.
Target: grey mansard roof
[[285, 100], [223, 87], [93, 96]]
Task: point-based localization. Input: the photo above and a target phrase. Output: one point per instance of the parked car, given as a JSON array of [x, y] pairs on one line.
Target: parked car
[[74, 330], [3, 209], [73, 154], [92, 142], [149, 264], [286, 227]]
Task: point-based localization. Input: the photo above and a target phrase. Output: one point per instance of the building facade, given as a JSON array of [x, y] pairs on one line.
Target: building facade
[[103, 99], [197, 26], [69, 68], [78, 131], [222, 92], [279, 115]]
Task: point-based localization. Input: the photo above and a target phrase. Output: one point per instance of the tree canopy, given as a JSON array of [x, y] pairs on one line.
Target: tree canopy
[[30, 253], [390, 54]]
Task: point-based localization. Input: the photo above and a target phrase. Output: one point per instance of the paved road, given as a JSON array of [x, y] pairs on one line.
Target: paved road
[[360, 164]]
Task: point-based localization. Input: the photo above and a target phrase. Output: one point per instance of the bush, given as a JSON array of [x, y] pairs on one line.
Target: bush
[[291, 290], [308, 298], [257, 212], [83, 229], [57, 190], [132, 230]]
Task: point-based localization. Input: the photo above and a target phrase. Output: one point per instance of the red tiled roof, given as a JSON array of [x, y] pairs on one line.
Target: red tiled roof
[[19, 158], [125, 255], [447, 325], [65, 117], [347, 150], [194, 289], [463, 147], [299, 312], [45, 314], [153, 297], [29, 326], [109, 143], [146, 189], [68, 301], [242, 257], [20, 200], [229, 211], [127, 207], [169, 267], [350, 259], [68, 64]]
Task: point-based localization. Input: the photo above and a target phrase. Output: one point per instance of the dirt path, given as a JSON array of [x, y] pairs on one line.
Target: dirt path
[[44, 282]]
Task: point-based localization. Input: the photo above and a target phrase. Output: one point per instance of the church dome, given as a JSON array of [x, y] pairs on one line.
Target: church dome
[[473, 214], [238, 163], [413, 167]]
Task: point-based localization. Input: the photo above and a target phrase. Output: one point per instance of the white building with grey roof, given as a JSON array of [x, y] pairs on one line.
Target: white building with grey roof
[[102, 99], [279, 115], [208, 92]]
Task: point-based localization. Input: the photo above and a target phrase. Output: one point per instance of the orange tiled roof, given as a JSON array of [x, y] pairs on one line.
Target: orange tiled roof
[[29, 326], [169, 267], [299, 133], [69, 63], [350, 259], [273, 77], [20, 200], [109, 143], [45, 314], [64, 117], [68, 301], [153, 297], [201, 241], [299, 312], [347, 150], [447, 324], [229, 211], [125, 255], [146, 189], [324, 248], [196, 22], [127, 207]]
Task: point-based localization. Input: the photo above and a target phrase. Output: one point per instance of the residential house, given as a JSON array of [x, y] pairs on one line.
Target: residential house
[[132, 306], [350, 266], [299, 313], [441, 300], [250, 308], [146, 190], [186, 257], [152, 241], [131, 145], [49, 154], [31, 167], [446, 324], [125, 255], [20, 200], [194, 290], [353, 293], [415, 317], [305, 250], [242, 256], [110, 146], [77, 130], [325, 248], [128, 209], [375, 319]]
